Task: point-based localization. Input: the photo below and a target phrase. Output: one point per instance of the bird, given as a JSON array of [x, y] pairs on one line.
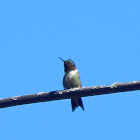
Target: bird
[[71, 79]]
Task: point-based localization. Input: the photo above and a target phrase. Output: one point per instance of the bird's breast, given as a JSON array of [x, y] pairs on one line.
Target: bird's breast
[[71, 79], [71, 74]]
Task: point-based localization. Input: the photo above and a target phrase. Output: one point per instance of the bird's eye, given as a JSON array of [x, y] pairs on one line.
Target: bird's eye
[[70, 63]]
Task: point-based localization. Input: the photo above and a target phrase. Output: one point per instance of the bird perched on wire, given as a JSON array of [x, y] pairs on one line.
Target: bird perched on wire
[[71, 79]]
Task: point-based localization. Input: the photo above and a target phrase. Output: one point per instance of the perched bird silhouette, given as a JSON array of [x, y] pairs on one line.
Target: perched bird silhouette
[[71, 79]]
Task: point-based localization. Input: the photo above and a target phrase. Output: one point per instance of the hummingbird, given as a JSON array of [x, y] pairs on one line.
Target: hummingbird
[[71, 79]]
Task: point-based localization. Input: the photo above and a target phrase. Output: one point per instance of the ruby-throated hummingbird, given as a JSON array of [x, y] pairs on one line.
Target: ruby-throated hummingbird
[[71, 79]]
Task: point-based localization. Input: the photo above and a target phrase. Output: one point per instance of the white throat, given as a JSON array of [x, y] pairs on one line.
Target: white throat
[[72, 73]]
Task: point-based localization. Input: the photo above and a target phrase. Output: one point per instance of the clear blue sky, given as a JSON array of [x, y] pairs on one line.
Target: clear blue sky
[[101, 37]]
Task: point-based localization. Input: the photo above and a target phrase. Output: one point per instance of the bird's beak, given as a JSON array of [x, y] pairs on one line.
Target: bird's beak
[[61, 59]]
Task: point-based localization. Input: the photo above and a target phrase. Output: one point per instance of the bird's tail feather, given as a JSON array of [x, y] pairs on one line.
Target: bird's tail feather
[[76, 102]]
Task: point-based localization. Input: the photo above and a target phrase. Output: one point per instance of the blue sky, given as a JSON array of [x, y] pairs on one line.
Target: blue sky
[[101, 37]]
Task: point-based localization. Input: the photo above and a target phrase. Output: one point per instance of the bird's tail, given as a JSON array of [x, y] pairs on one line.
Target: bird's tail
[[76, 102]]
